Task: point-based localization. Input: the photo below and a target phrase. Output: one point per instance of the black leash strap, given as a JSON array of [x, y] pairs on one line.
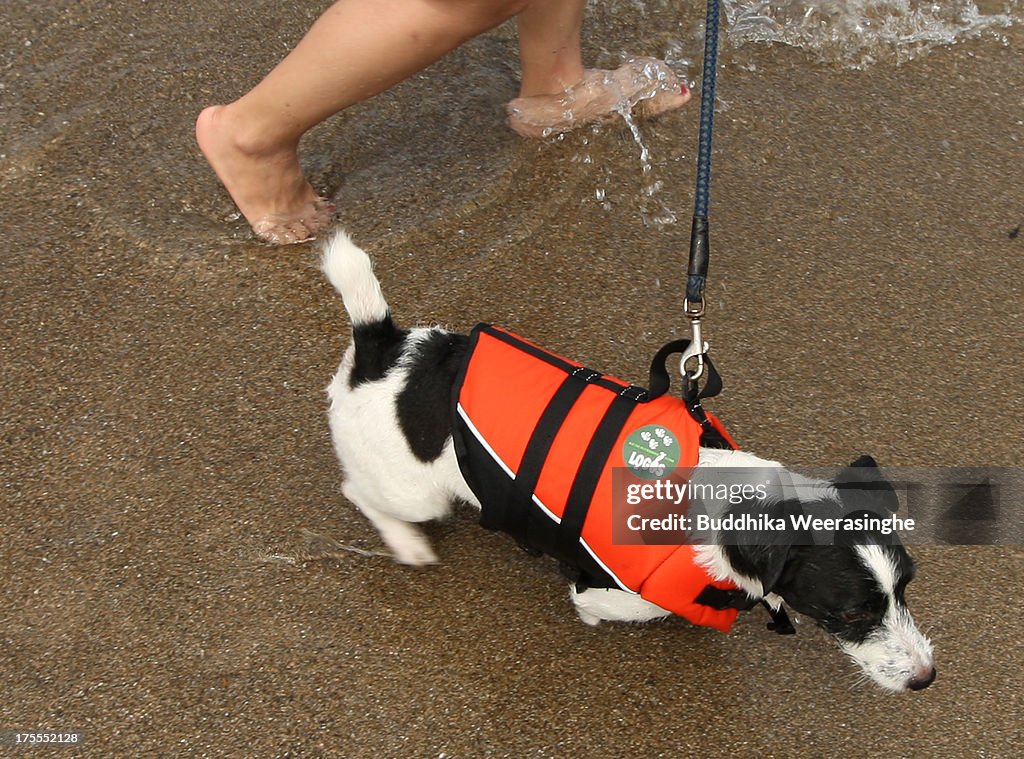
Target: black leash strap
[[699, 249], [693, 362]]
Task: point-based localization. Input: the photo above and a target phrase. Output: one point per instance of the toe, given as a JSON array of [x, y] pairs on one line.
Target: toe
[[276, 230], [666, 100], [280, 232]]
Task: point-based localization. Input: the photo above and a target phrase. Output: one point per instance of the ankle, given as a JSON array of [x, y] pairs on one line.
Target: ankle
[[554, 81], [249, 134]]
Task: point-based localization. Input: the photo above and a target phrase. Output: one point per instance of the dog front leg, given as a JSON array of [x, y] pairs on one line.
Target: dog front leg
[[596, 604]]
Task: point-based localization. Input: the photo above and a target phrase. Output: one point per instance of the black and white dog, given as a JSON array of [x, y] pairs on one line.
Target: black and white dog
[[392, 393]]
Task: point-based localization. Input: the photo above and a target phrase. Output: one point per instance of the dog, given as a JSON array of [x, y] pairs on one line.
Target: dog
[[392, 395]]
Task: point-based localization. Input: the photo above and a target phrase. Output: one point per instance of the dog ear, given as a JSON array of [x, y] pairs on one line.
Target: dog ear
[[862, 486], [763, 553]]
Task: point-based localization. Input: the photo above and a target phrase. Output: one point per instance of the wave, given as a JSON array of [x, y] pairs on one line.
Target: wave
[[858, 33]]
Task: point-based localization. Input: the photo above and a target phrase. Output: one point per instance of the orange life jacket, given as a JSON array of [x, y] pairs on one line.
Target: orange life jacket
[[537, 438]]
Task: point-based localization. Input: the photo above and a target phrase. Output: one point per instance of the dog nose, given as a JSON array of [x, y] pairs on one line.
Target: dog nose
[[920, 682]]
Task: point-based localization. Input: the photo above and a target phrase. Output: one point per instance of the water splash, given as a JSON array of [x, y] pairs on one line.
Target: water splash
[[645, 154], [858, 33], [653, 210]]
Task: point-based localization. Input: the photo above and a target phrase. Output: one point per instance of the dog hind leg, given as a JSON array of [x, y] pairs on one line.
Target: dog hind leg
[[406, 541]]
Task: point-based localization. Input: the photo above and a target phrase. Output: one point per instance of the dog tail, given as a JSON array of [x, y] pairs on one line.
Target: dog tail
[[350, 270]]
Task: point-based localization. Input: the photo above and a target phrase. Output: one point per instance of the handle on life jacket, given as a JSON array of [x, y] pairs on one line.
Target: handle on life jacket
[[660, 382]]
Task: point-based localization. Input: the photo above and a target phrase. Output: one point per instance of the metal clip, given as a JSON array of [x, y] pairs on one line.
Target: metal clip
[[697, 347]]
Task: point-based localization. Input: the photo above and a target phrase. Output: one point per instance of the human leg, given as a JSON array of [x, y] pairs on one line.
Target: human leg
[[549, 46], [356, 49]]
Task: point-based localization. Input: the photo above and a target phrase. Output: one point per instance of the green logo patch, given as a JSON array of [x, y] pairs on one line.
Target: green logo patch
[[651, 452]]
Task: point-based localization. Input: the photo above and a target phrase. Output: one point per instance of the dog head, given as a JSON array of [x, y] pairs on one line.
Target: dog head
[[854, 587], [856, 593]]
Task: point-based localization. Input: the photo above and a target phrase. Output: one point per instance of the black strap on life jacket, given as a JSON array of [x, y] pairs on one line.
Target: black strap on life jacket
[[717, 598], [587, 476], [515, 517], [660, 381]]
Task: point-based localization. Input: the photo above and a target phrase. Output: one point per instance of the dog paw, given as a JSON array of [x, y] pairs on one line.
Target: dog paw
[[414, 551], [587, 618]]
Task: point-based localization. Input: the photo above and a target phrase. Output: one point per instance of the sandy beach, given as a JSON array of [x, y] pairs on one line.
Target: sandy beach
[[178, 567]]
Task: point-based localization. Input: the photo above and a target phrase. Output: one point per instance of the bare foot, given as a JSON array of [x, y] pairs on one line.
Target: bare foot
[[267, 185], [645, 86]]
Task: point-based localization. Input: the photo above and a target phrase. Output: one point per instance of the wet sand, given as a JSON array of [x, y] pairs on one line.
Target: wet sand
[[165, 455]]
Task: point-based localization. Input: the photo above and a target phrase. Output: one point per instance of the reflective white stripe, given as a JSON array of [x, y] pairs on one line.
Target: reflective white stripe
[[611, 574], [512, 475]]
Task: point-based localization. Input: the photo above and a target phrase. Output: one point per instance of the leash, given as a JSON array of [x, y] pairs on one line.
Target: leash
[[695, 358], [695, 362]]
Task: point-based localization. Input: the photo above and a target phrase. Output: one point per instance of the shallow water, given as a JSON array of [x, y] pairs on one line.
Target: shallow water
[[850, 34]]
